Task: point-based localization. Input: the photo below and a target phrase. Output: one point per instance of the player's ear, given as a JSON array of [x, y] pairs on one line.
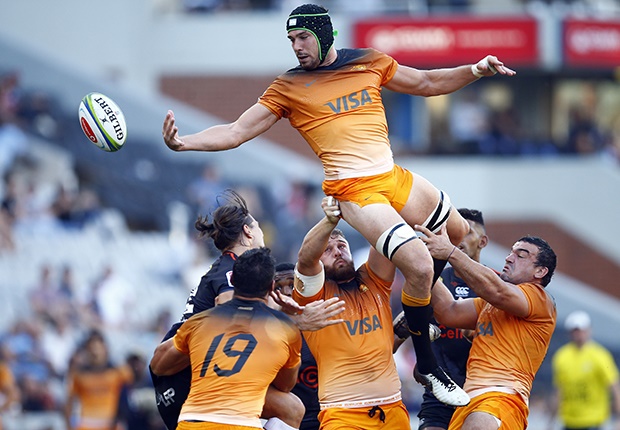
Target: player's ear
[[484, 241], [247, 231]]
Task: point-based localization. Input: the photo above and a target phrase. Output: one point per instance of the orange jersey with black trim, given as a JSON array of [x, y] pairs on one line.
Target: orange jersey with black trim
[[354, 359], [508, 350], [339, 111], [236, 350], [98, 392]]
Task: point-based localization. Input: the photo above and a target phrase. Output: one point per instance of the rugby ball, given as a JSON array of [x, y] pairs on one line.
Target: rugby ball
[[103, 122]]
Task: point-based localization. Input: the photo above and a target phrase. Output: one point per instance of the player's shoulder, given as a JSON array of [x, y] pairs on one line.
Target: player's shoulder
[[220, 267], [223, 262], [348, 56]]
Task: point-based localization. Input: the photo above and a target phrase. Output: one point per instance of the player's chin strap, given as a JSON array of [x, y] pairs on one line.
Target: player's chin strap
[[396, 236]]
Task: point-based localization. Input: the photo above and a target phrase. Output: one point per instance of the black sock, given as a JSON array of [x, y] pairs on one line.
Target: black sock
[[418, 318], [438, 266]]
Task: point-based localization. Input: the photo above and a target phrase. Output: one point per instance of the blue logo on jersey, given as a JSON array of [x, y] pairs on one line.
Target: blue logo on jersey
[[346, 103], [363, 326], [485, 329]]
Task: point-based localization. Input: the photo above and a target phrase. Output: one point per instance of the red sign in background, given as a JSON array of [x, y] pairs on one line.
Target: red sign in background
[[594, 44], [451, 41]]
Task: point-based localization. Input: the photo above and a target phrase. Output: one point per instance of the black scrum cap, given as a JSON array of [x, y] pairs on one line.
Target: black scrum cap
[[315, 19]]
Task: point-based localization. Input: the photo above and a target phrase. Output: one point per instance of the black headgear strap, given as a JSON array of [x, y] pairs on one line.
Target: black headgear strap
[[316, 20]]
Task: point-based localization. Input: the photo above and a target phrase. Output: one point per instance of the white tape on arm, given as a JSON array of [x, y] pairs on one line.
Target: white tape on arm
[[308, 286], [474, 70]]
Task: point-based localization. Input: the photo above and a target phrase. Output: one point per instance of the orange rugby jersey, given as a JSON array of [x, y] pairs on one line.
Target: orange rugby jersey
[[338, 110], [354, 359], [236, 350], [508, 350], [98, 392]]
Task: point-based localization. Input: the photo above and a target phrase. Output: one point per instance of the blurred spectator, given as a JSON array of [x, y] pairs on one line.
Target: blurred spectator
[[7, 242], [215, 5], [23, 347], [10, 96], [14, 145], [94, 384], [504, 136], [115, 298], [13, 141], [469, 121], [36, 395], [584, 136], [36, 112], [58, 341], [76, 209], [46, 300], [68, 290], [202, 191], [137, 408]]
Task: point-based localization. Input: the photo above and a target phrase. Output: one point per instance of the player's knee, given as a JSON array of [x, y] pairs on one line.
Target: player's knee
[[418, 275]]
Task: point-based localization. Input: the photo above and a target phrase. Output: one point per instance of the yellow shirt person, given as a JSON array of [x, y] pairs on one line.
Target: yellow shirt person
[[585, 376]]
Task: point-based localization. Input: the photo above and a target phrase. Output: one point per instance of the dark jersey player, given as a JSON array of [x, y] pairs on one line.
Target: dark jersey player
[[307, 387], [452, 347], [233, 231]]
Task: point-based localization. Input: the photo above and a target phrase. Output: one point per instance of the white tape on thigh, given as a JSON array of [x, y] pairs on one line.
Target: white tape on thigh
[[394, 237], [308, 286], [440, 215]]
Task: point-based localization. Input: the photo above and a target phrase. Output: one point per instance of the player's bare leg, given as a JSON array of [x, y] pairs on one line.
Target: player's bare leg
[[285, 406], [414, 261]]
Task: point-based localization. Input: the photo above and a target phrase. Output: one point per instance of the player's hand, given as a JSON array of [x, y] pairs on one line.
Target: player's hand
[[287, 304], [170, 132], [331, 207], [439, 245], [490, 65], [320, 314]]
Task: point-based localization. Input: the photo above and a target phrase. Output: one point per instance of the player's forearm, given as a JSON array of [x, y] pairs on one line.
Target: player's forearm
[[446, 81], [212, 139], [483, 280], [314, 245]]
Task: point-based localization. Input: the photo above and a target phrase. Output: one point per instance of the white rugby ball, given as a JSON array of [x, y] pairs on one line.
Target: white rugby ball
[[103, 122]]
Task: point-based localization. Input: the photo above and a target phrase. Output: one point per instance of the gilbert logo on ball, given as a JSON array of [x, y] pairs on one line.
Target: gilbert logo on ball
[[103, 122]]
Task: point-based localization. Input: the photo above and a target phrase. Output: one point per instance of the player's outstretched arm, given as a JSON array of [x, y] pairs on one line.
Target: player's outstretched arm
[[436, 82], [483, 280], [252, 123]]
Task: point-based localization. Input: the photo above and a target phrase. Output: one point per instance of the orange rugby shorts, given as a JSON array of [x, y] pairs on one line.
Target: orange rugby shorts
[[508, 408], [390, 188], [396, 418]]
